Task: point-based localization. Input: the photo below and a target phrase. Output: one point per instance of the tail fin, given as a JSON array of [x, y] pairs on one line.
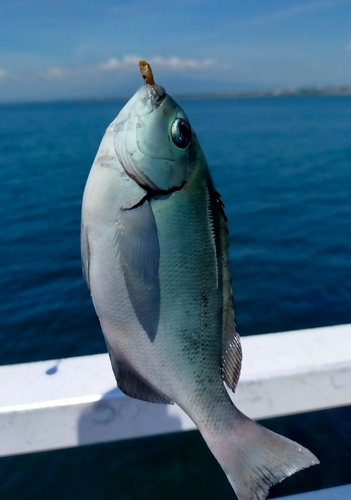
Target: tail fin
[[254, 458]]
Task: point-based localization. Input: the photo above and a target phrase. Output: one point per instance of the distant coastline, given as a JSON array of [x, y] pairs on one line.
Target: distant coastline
[[303, 91], [344, 90]]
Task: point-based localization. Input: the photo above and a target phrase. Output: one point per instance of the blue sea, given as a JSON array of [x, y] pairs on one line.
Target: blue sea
[[283, 168]]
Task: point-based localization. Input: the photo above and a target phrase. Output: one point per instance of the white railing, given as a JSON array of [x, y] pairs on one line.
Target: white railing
[[71, 402], [338, 493]]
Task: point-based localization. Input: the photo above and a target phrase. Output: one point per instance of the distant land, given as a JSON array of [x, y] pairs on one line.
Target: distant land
[[241, 94], [303, 91]]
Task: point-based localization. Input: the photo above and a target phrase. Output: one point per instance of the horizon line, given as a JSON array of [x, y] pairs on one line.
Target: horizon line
[[341, 90]]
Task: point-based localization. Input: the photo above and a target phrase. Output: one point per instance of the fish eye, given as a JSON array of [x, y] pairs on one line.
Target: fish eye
[[181, 133]]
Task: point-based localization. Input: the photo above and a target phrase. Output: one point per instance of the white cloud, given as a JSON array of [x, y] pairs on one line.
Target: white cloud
[[178, 63], [175, 63], [114, 63], [111, 64], [123, 66], [3, 74]]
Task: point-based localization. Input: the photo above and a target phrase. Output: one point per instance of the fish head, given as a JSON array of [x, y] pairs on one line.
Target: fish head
[[152, 139]]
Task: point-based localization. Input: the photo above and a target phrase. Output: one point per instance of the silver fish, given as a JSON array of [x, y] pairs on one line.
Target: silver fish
[[155, 257]]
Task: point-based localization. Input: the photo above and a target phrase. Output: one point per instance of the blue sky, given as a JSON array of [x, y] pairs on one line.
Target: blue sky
[[90, 48]]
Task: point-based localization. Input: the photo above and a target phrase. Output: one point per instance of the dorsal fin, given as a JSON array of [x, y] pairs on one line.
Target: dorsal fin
[[231, 346], [231, 350]]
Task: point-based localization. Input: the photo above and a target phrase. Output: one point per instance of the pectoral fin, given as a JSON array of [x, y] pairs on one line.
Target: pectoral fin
[[139, 243], [140, 256]]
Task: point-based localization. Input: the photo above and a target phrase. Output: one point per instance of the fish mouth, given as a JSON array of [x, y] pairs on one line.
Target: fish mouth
[[155, 94]]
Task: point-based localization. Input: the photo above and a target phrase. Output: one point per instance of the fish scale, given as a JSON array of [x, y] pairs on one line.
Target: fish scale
[[155, 256]]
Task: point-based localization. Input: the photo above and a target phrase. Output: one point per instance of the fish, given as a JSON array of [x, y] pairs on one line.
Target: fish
[[154, 243]]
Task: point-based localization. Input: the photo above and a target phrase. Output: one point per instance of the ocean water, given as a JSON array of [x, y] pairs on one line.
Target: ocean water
[[283, 167]]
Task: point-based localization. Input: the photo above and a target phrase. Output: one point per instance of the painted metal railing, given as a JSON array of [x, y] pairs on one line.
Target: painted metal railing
[[71, 402]]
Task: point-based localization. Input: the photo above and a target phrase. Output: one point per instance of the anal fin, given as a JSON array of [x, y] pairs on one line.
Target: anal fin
[[132, 384], [85, 253]]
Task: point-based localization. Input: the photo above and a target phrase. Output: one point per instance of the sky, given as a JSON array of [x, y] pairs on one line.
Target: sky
[[70, 49]]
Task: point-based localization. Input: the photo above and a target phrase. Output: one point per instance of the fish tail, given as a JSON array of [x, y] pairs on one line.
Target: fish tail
[[255, 458]]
